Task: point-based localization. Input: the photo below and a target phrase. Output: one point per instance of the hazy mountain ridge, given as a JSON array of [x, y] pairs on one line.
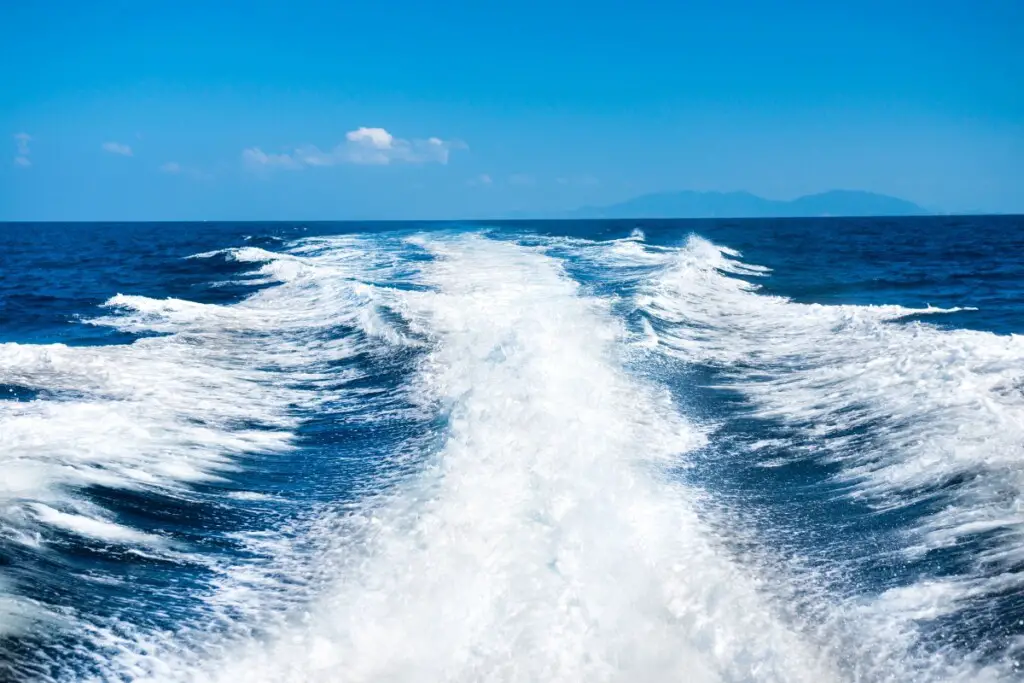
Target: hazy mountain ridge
[[690, 204]]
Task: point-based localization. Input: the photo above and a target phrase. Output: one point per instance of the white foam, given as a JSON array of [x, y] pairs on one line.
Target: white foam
[[223, 382], [94, 528], [544, 541], [244, 254], [947, 402], [250, 495], [938, 405]]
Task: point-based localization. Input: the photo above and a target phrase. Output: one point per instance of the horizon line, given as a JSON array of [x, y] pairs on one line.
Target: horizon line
[[512, 220]]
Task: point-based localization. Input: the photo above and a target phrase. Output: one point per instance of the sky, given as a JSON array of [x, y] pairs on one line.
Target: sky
[[303, 110]]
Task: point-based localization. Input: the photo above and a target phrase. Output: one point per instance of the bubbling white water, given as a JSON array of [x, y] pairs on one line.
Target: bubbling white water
[[943, 409], [942, 405], [544, 541], [168, 411]]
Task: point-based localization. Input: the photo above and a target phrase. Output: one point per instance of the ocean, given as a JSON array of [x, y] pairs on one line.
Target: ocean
[[708, 450]]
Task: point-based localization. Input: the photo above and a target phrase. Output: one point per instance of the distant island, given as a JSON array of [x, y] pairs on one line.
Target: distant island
[[688, 204]]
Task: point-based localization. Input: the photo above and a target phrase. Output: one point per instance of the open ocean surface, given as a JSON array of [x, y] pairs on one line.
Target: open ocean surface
[[779, 450]]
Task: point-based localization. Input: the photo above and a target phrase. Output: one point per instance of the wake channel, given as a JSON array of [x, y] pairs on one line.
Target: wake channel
[[545, 539]]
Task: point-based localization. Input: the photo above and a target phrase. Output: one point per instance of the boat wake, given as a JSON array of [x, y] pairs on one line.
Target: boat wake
[[466, 455]]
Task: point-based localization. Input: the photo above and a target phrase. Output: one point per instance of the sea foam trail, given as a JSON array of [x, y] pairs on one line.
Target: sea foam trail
[[912, 413], [544, 541]]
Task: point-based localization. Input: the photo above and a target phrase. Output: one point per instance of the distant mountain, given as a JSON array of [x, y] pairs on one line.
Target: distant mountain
[[746, 205]]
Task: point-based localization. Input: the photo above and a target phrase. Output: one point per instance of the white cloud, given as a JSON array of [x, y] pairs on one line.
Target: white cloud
[[257, 158], [371, 137], [311, 155], [21, 141], [117, 148], [171, 167], [482, 179], [364, 146]]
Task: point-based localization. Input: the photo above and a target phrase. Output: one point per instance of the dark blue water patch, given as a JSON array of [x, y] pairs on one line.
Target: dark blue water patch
[[14, 392], [102, 581], [184, 517], [51, 275], [21, 394], [916, 261]]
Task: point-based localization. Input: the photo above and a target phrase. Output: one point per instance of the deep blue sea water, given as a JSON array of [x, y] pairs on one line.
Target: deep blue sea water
[[710, 450]]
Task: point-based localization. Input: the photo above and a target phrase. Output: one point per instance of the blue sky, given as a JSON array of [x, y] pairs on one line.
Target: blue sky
[[164, 110]]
